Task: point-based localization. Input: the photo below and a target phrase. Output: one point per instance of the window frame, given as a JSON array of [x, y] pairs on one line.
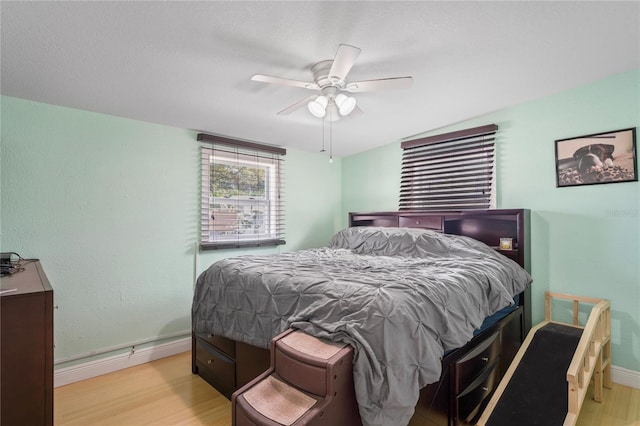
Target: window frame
[[449, 172], [231, 152]]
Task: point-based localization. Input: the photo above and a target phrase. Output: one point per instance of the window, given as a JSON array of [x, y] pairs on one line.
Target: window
[[452, 171], [241, 202]]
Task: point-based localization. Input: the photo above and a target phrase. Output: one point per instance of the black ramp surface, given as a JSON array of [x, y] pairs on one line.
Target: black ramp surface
[[537, 391]]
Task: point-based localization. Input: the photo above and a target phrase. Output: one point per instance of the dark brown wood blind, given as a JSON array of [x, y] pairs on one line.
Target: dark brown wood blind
[[242, 193], [451, 171]]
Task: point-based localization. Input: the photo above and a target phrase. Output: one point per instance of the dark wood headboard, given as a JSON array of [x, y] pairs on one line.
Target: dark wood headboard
[[487, 226]]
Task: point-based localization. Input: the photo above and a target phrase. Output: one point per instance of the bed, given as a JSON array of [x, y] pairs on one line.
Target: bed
[[425, 352]]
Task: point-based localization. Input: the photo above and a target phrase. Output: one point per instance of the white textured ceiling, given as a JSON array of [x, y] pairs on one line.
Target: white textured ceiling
[[189, 64]]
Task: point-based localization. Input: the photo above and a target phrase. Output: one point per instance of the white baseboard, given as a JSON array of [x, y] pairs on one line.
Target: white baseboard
[[625, 377], [65, 376], [87, 370]]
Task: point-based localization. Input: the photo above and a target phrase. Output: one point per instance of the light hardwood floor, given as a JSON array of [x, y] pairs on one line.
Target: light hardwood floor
[[164, 392]]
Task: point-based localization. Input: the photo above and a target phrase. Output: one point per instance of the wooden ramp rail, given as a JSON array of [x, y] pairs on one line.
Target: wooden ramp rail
[[591, 359]]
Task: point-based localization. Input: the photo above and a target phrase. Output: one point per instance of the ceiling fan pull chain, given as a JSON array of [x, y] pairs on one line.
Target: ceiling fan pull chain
[[330, 137], [322, 150]]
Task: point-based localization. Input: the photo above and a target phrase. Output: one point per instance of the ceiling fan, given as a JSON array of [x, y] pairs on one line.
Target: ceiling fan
[[329, 78]]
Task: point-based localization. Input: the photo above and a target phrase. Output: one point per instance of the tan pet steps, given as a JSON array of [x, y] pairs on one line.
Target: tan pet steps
[[309, 383]]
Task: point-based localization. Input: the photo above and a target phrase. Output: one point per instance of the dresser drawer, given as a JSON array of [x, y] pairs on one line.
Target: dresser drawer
[[472, 400], [224, 345], [428, 222], [467, 368], [216, 368]]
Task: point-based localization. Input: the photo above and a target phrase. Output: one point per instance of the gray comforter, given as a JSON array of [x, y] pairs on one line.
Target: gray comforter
[[400, 297]]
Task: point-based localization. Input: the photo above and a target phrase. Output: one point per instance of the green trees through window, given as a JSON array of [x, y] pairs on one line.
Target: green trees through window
[[233, 180]]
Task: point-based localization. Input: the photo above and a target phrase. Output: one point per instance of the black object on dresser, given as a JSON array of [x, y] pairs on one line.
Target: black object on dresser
[[26, 358]]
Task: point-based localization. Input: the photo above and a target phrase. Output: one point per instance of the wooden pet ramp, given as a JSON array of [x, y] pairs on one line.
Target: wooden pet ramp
[[309, 383], [548, 379]]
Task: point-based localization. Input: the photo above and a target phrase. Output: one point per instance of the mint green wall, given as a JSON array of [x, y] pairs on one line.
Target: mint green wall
[[585, 240], [110, 206], [371, 180]]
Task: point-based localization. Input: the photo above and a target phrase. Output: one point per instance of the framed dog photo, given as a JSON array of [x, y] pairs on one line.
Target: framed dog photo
[[607, 157]]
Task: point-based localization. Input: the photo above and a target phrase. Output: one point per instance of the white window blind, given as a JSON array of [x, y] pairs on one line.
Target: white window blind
[[242, 197], [452, 171]]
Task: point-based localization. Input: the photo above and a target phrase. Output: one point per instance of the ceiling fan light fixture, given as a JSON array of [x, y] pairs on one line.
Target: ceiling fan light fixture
[[345, 104], [332, 112], [318, 106]]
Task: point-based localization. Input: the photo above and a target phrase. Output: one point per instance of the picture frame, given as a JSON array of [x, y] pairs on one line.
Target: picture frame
[[506, 243], [599, 158]]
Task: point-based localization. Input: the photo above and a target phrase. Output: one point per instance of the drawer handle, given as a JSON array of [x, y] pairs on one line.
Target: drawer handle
[[484, 388], [209, 361], [417, 222], [485, 359]]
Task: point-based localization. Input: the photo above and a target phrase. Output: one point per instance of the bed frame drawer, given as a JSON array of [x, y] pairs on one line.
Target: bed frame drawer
[[216, 368], [473, 364], [471, 401], [222, 344], [424, 222]]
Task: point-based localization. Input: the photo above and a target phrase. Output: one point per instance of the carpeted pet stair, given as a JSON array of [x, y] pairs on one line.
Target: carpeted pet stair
[[309, 383]]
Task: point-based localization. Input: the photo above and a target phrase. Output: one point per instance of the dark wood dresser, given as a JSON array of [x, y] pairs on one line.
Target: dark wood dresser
[[26, 347]]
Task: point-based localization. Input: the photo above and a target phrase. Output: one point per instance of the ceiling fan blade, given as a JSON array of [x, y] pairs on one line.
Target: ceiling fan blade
[[299, 104], [285, 81], [381, 84], [343, 61]]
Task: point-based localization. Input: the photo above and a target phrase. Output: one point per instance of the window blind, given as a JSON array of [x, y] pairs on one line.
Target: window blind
[[452, 171], [242, 193]]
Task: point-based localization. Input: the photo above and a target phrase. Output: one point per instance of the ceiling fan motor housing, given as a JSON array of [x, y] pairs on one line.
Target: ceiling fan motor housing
[[321, 75]]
